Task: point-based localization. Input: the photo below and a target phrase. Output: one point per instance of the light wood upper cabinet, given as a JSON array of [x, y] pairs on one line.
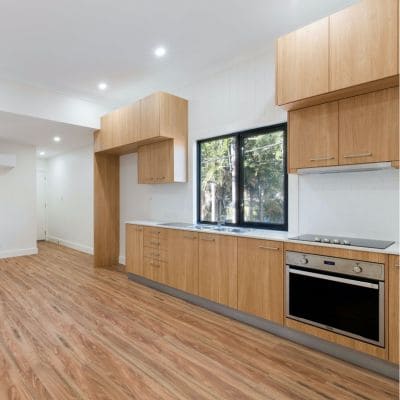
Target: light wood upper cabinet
[[182, 271], [394, 279], [313, 136], [369, 127], [157, 163], [164, 115], [302, 63], [134, 249], [363, 43], [260, 278], [218, 268]]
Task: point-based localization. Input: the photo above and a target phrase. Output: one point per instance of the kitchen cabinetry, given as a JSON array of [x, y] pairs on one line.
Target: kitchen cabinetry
[[182, 269], [362, 129], [158, 163], [394, 281], [119, 128], [313, 136], [363, 43], [218, 268], [369, 127], [134, 249], [302, 62], [260, 278], [352, 52], [155, 253]]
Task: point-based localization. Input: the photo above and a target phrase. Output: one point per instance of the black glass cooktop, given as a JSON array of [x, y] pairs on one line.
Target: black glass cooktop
[[346, 241]]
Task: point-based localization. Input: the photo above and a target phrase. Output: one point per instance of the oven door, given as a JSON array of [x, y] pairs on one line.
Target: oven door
[[342, 304]]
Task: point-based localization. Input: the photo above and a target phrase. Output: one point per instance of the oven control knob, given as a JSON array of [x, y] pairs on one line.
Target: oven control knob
[[317, 239], [336, 241], [303, 260], [357, 269], [346, 242], [326, 240]]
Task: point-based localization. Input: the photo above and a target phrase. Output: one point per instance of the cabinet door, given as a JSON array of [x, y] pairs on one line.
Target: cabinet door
[[104, 137], [369, 127], [363, 43], [218, 268], [150, 116], [126, 125], [182, 271], [156, 162], [314, 136], [260, 278], [302, 63], [394, 279], [134, 249]]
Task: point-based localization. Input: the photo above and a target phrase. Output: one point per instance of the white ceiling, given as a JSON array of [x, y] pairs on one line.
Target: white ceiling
[[71, 45], [40, 133]]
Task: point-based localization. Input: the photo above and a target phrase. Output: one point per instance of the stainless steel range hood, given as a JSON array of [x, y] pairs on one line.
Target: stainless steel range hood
[[345, 168]]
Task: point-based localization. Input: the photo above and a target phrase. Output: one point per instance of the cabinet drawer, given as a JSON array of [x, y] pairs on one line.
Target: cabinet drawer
[[156, 253]]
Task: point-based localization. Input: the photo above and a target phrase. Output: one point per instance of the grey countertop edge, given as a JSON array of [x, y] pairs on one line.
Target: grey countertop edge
[[270, 235]]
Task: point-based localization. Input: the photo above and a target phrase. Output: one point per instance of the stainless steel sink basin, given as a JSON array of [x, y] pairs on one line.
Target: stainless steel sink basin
[[229, 229]]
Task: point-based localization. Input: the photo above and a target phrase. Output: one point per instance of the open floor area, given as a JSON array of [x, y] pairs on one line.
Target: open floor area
[[70, 331]]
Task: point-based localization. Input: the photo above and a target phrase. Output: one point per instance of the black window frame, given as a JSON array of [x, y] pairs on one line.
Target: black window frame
[[240, 183]]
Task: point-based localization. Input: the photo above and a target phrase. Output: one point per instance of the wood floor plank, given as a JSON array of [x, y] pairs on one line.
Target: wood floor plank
[[69, 331]]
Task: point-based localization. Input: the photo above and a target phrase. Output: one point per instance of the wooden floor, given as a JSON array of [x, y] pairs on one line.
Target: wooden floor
[[68, 331]]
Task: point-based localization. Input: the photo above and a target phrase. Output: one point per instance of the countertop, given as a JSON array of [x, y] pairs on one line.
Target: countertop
[[267, 234]]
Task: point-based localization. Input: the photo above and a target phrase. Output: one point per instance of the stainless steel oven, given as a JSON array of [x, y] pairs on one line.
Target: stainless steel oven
[[340, 295]]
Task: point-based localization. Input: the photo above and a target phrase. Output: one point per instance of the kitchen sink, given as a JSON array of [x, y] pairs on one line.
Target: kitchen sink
[[229, 229]]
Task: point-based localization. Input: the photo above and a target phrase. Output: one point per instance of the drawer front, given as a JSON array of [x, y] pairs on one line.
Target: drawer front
[[156, 253]]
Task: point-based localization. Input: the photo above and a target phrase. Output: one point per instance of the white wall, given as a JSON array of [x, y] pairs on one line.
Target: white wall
[[70, 199], [18, 202], [356, 204]]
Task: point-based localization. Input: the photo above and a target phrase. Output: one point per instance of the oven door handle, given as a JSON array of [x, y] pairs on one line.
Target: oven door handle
[[334, 278]]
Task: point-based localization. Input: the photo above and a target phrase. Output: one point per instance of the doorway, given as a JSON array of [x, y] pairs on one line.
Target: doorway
[[41, 204]]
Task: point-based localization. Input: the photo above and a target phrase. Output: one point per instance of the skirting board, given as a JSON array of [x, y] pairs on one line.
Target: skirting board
[[18, 252], [354, 357], [72, 245]]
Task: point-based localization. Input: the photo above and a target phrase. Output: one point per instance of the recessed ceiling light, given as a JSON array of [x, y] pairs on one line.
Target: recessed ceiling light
[[102, 86], [57, 138], [42, 153], [160, 51]]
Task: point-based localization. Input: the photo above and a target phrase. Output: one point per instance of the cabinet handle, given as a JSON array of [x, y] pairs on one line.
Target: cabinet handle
[[397, 265], [268, 248], [154, 255], [208, 240], [154, 264], [139, 229], [190, 237], [357, 155], [322, 158], [153, 242]]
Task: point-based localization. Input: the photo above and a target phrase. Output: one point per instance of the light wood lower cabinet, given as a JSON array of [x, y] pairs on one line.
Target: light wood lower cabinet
[[218, 268], [134, 249], [260, 278], [182, 269], [155, 253], [394, 281]]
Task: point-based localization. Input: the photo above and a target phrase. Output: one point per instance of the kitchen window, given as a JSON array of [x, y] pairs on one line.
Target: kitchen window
[[242, 179]]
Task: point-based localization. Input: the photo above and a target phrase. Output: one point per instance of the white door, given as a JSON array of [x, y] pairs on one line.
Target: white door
[[41, 181]]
